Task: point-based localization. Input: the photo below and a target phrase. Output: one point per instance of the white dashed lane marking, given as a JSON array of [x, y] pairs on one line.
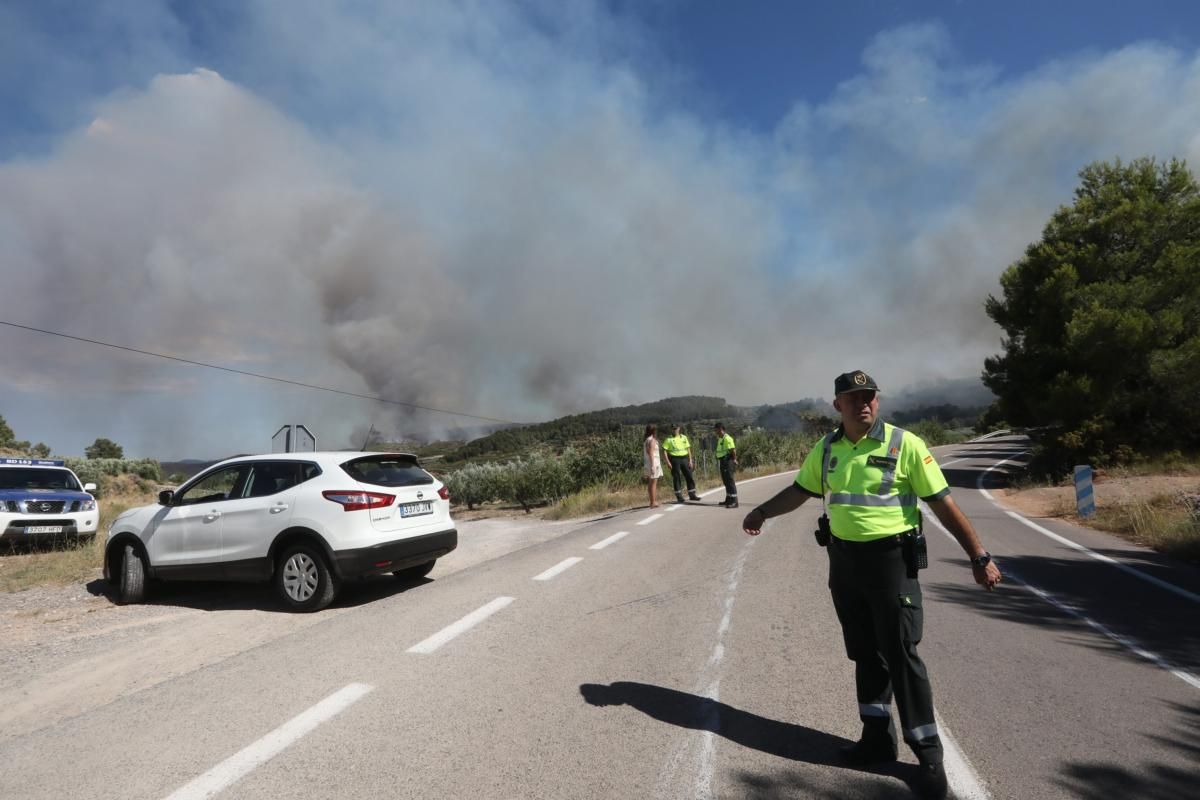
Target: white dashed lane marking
[[560, 567], [462, 626], [243, 762], [605, 543]]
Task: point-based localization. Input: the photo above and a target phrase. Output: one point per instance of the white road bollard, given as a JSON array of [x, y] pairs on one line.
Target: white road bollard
[[1085, 499]]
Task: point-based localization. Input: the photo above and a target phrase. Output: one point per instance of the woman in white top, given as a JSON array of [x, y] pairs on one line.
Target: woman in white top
[[651, 463]]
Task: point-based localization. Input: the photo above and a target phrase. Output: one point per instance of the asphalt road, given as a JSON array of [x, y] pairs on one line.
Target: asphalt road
[[669, 655]]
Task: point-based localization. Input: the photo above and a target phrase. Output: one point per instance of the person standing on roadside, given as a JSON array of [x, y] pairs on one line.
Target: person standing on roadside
[[651, 463], [679, 455], [727, 458], [874, 474]]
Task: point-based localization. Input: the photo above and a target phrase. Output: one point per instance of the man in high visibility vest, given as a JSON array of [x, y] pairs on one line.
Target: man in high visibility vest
[[679, 453], [727, 458], [874, 473]]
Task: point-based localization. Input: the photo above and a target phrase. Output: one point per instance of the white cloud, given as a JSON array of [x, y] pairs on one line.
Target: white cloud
[[454, 206]]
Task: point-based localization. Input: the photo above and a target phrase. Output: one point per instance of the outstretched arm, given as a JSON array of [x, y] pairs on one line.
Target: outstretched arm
[[786, 500], [950, 515]]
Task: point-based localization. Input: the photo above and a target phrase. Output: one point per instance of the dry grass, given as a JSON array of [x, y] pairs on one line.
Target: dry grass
[[1165, 522]]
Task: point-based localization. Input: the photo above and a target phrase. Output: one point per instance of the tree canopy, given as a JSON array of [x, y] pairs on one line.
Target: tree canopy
[[104, 448], [1102, 319]]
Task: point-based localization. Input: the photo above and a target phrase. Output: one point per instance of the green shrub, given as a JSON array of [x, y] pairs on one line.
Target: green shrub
[[765, 448], [90, 470]]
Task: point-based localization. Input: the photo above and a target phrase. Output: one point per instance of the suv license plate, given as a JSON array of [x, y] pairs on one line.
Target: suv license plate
[[416, 509], [43, 528]]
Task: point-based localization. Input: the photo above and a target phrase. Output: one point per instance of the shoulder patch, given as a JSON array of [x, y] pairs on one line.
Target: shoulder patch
[[928, 459]]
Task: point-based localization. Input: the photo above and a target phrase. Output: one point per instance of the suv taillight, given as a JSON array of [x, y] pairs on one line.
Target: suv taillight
[[357, 501], [444, 493]]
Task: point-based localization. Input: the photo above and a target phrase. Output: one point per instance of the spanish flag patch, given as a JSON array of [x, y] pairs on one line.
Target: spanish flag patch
[[928, 459]]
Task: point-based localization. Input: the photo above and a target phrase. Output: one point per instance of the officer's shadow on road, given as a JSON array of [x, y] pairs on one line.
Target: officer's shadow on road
[[782, 739]]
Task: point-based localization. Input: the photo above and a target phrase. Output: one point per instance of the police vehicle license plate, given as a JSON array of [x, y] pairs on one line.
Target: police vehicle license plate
[[416, 509], [43, 528]]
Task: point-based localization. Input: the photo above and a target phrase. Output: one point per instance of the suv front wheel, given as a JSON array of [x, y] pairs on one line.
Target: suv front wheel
[[303, 579], [131, 581]]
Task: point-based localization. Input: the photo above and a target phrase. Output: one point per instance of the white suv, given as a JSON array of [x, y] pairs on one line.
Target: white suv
[[306, 521], [43, 501]]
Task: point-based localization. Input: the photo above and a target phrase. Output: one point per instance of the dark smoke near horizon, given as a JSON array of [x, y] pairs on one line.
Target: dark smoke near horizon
[[526, 236]]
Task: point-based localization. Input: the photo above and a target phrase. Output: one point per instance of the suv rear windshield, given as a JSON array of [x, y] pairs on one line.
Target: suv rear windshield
[[387, 471]]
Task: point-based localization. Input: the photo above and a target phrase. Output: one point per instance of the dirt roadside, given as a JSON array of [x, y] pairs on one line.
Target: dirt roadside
[[1059, 501]]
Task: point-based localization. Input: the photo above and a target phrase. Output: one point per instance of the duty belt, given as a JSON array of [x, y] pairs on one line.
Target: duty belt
[[882, 543]]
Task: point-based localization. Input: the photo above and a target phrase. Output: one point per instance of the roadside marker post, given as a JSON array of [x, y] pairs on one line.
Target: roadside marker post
[[1085, 499]]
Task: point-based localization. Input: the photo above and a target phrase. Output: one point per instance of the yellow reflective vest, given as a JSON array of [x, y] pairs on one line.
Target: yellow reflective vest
[[677, 445], [872, 486]]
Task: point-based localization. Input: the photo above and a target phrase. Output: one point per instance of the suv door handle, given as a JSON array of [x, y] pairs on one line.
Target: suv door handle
[[275, 509], [210, 516]]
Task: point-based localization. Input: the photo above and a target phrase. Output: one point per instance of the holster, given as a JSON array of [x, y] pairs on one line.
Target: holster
[[914, 550], [823, 533]]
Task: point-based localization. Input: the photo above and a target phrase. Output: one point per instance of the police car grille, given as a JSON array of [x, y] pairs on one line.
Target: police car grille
[[44, 506]]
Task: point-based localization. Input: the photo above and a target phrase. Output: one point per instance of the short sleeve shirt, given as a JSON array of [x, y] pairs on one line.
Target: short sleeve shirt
[[677, 445], [724, 445], [873, 485]]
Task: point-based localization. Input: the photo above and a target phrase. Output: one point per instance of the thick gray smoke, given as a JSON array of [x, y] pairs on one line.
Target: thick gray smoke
[[451, 208]]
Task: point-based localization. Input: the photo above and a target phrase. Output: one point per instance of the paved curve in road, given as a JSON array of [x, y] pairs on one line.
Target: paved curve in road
[[668, 655]]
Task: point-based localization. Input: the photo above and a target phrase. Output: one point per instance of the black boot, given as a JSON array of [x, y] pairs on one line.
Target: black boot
[[731, 503], [679, 498], [931, 783], [868, 751], [693, 496]]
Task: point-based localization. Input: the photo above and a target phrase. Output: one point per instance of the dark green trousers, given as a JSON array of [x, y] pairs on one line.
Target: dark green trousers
[[879, 607]]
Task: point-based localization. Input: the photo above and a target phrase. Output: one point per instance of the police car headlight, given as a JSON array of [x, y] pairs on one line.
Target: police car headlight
[[88, 505]]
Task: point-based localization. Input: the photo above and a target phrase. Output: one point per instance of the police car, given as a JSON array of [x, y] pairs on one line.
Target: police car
[[43, 501]]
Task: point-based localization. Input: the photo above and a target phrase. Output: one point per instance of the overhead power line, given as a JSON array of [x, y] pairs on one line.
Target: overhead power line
[[257, 375]]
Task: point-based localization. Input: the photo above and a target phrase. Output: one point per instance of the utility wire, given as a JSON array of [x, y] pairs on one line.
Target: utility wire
[[257, 375]]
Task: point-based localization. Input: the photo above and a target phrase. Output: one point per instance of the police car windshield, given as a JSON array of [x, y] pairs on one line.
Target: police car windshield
[[29, 478]]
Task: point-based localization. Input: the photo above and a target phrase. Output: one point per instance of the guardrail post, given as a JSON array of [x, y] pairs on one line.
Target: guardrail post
[[1085, 499]]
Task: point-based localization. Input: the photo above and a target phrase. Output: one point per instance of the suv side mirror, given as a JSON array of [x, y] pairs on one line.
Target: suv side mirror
[[164, 497], [89, 487]]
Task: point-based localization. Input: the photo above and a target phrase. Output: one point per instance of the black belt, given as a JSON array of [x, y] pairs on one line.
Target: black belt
[[882, 543]]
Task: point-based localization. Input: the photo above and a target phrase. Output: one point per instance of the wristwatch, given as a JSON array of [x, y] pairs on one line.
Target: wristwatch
[[983, 560]]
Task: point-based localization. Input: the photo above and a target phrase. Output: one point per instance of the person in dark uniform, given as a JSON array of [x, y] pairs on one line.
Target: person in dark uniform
[[874, 473], [679, 454], [727, 458]]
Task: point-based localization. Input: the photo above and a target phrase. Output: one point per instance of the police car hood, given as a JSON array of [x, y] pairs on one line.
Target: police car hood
[[52, 495]]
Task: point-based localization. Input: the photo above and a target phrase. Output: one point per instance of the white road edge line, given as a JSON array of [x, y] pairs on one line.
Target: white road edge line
[[1137, 573], [246, 760], [649, 519], [561, 566], [1128, 644], [606, 542], [462, 626], [965, 783]]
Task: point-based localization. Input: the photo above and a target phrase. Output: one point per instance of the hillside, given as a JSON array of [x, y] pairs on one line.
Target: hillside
[[696, 413]]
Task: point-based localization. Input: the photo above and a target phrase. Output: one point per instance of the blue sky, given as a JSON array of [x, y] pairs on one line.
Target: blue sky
[[753, 60], [522, 210]]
